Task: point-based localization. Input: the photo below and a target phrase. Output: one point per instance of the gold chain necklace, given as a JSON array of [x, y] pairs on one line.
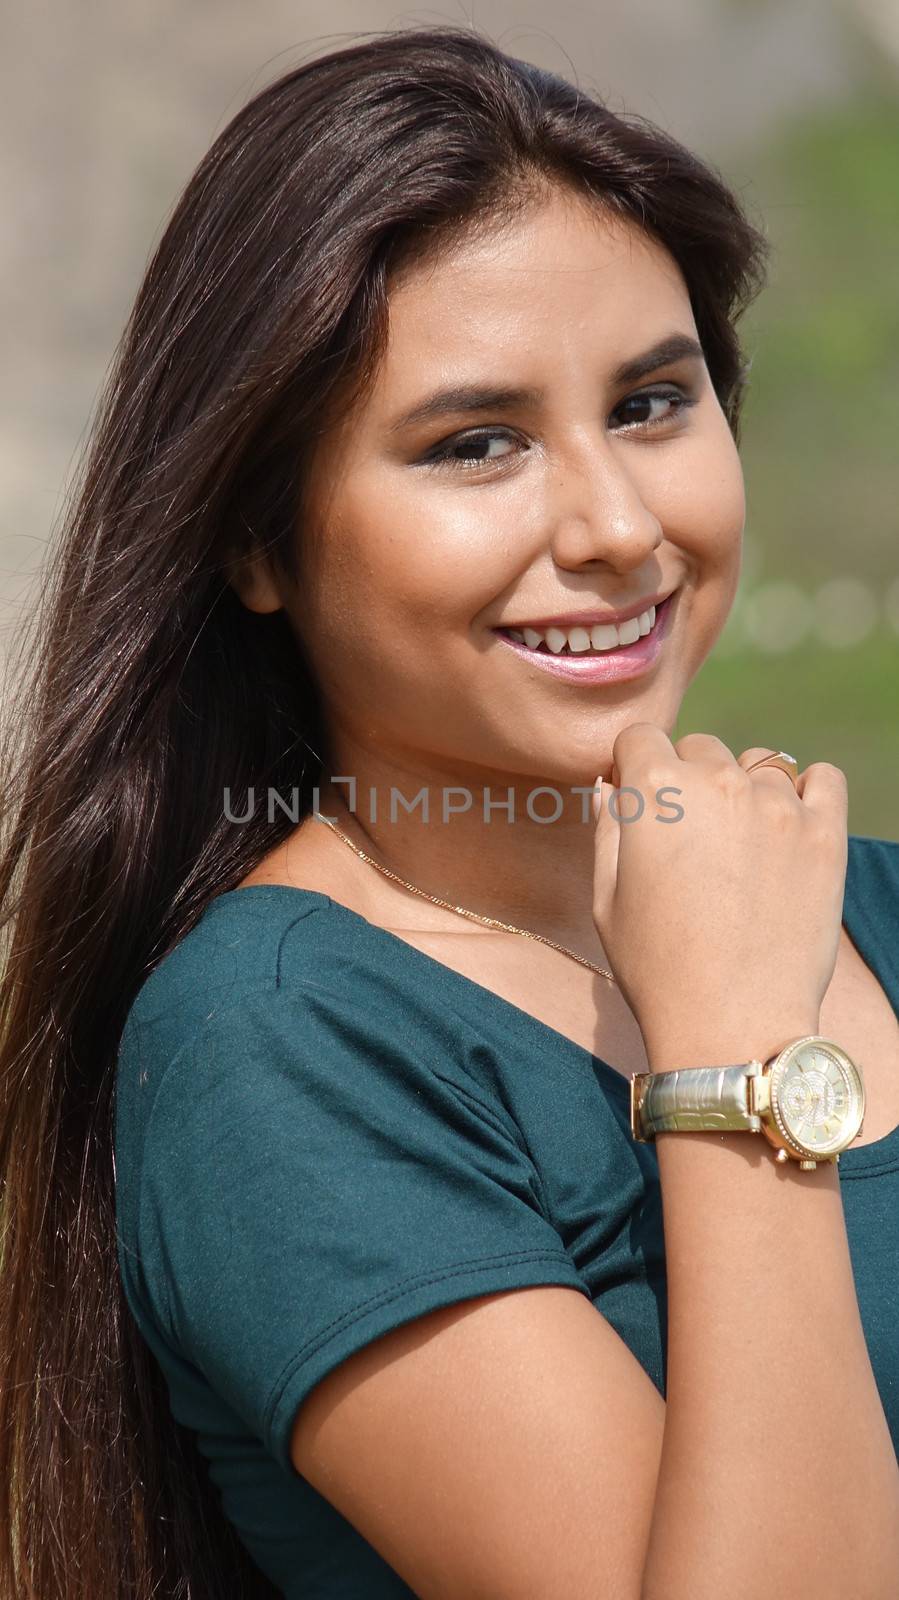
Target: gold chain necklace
[[489, 922], [778, 759]]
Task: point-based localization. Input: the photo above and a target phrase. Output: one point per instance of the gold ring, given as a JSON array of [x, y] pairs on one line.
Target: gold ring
[[786, 763]]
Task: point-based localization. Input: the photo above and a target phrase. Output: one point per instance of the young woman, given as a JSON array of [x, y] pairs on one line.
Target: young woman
[[333, 1262]]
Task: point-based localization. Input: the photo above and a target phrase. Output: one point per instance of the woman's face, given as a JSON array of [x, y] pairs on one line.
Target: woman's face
[[576, 492]]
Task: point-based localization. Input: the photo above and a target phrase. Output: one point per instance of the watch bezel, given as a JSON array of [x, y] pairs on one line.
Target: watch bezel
[[776, 1072]]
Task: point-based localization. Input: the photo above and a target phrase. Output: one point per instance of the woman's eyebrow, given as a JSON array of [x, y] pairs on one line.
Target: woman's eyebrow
[[676, 347], [475, 397]]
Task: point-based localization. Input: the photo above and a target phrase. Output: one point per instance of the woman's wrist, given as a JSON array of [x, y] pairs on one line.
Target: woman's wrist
[[755, 1038]]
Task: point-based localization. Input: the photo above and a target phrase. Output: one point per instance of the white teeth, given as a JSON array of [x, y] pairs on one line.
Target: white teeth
[[556, 640], [578, 639], [602, 636]]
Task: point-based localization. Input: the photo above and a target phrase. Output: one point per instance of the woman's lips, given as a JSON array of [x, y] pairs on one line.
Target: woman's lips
[[612, 666]]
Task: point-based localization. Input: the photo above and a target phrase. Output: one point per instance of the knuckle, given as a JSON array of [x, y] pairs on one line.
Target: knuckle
[[709, 742], [656, 777], [752, 753], [835, 774], [729, 779]]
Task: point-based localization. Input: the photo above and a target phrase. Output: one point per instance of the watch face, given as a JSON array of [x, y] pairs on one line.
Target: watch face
[[817, 1097]]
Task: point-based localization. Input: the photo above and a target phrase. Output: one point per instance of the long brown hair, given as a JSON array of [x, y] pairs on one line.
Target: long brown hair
[[144, 689]]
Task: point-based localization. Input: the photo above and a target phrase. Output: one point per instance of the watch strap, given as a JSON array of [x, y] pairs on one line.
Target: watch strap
[[693, 1100]]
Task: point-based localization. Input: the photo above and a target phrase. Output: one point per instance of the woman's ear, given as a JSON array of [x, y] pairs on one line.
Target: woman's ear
[[252, 580]]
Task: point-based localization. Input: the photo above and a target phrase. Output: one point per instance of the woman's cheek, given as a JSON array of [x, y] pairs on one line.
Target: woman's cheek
[[705, 509]]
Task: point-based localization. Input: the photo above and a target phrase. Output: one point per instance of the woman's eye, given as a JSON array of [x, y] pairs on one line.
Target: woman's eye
[[652, 406], [470, 451]]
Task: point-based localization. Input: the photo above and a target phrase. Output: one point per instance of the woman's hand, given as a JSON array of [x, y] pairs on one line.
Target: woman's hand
[[722, 926]]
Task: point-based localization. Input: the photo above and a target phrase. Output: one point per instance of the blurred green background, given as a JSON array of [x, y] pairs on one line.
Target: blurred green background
[[107, 109], [808, 662]]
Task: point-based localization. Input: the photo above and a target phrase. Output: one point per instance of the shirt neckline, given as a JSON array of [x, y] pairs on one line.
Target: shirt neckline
[[880, 1154], [444, 973]]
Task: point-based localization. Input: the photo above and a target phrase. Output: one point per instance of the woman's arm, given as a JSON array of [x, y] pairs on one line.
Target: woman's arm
[[512, 1448], [505, 1448], [778, 1473], [777, 1467]]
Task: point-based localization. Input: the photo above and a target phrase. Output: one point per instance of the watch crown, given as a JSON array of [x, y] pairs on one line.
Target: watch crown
[[781, 1156], [807, 1166]]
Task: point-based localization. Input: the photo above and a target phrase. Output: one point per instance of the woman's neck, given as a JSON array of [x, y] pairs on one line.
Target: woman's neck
[[506, 845]]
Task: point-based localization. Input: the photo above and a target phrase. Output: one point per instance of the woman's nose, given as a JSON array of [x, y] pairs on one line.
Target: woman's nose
[[598, 514]]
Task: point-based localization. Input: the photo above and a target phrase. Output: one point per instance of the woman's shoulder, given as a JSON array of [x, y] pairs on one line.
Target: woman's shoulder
[[236, 948], [276, 981], [269, 939], [240, 939]]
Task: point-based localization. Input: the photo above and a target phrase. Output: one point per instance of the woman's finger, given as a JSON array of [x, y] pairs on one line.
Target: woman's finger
[[632, 752], [605, 851]]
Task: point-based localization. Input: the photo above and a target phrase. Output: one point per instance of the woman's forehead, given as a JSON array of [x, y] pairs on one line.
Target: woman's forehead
[[556, 250], [604, 289]]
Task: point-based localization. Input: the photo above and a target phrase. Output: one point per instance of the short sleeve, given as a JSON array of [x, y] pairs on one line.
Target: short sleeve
[[311, 1180]]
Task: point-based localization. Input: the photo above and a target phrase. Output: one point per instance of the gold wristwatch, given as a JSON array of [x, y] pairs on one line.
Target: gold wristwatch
[[808, 1101]]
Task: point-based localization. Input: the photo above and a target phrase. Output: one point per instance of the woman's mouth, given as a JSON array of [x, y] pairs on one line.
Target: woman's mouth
[[601, 654]]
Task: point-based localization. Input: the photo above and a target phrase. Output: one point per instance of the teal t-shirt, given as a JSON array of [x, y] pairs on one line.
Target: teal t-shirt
[[322, 1133]]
